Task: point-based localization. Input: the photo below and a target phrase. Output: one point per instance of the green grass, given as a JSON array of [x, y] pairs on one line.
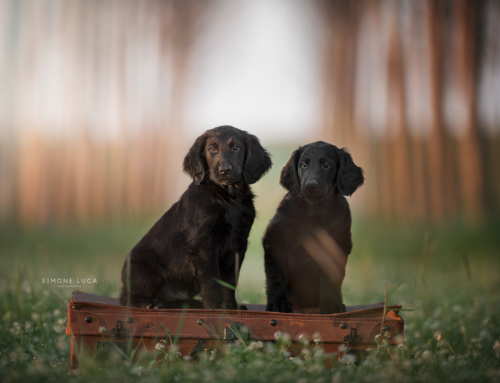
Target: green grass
[[453, 330]]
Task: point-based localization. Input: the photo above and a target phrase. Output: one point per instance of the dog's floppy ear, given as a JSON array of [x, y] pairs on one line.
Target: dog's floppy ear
[[349, 176], [289, 178], [257, 160], [194, 163]]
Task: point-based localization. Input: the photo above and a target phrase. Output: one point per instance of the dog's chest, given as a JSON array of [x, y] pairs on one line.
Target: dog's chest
[[238, 214]]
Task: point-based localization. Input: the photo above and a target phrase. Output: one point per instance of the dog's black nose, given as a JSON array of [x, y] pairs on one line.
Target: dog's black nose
[[225, 169], [311, 186]]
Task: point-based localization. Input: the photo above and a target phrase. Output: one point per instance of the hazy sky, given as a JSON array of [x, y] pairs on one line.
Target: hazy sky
[[257, 68]]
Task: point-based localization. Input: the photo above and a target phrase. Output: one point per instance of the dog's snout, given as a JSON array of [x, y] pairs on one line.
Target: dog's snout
[[311, 186], [225, 169]]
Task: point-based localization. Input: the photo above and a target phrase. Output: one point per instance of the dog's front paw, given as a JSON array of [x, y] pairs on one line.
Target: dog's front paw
[[280, 306], [333, 308], [152, 304]]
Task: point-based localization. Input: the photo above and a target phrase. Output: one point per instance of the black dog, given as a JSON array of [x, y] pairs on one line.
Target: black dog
[[195, 243], [307, 242]]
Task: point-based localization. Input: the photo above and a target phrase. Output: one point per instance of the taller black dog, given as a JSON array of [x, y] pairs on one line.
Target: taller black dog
[[195, 242], [308, 240]]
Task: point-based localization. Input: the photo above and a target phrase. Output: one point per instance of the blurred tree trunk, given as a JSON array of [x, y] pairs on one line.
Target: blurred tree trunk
[[465, 13], [441, 192], [401, 192], [341, 19]]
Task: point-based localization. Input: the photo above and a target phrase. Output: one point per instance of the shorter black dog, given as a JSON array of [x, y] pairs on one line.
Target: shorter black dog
[[202, 239], [307, 242]]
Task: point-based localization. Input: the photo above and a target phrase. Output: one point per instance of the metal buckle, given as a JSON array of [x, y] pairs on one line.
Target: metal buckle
[[119, 332], [353, 338], [236, 328]]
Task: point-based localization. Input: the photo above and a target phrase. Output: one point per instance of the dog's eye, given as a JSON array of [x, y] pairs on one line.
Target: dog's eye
[[236, 148], [212, 149], [303, 165], [326, 165]]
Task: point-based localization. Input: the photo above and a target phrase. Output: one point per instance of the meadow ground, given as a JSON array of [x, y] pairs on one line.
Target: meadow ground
[[449, 276]]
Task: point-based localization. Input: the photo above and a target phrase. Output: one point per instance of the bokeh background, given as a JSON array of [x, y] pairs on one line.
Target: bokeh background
[[101, 100]]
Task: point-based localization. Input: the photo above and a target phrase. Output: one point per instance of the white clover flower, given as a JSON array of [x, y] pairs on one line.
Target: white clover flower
[[318, 352], [303, 340], [377, 337], [496, 348], [438, 335], [270, 348], [485, 334], [62, 344], [136, 370], [348, 359], [102, 329], [399, 339], [256, 345], [458, 309], [277, 335], [56, 312], [342, 348], [159, 346], [306, 352], [286, 337], [427, 355], [173, 349], [298, 361], [434, 325], [35, 316]]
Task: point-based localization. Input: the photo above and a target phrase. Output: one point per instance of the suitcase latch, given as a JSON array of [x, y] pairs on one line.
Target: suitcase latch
[[353, 338], [201, 349], [236, 328], [118, 333]]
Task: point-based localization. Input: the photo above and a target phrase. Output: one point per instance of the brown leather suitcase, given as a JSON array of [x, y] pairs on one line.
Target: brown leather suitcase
[[96, 324]]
